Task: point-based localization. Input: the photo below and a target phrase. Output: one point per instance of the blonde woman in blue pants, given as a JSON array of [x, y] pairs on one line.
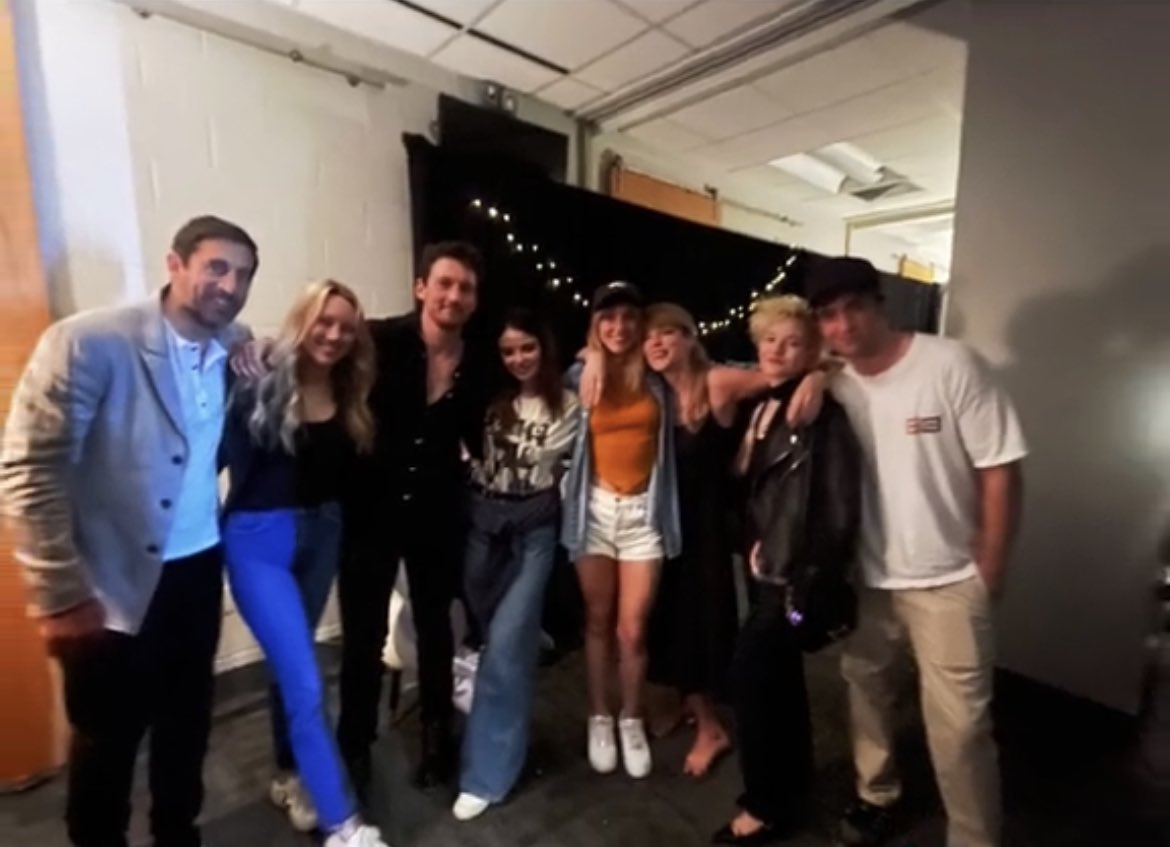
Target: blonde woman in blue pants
[[289, 439]]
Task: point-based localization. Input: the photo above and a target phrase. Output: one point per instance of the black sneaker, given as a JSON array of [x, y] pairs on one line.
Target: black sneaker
[[866, 825]]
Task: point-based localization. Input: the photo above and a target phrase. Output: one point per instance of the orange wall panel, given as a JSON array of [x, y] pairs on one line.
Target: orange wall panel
[[31, 733], [643, 190]]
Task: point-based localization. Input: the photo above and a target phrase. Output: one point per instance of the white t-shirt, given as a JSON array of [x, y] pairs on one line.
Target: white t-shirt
[[529, 456], [925, 425]]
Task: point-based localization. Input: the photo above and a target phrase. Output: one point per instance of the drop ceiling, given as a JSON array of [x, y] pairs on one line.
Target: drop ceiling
[[568, 52], [895, 91]]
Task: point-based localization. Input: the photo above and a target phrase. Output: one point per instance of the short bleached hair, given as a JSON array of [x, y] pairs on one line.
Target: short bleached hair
[[769, 310]]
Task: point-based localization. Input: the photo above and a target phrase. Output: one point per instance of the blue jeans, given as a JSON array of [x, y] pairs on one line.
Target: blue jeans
[[495, 741], [280, 564]]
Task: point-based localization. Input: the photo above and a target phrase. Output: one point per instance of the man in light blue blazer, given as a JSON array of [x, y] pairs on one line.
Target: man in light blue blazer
[[108, 473]]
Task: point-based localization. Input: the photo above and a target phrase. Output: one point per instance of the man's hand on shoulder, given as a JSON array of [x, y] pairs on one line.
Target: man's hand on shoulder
[[250, 359]]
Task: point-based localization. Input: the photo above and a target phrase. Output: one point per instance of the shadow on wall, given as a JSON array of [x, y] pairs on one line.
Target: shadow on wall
[[1090, 375]]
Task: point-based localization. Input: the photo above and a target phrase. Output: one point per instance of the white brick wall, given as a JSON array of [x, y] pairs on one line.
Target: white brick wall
[[313, 168]]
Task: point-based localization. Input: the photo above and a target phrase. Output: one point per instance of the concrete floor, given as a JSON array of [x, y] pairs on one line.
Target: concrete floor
[[1099, 782]]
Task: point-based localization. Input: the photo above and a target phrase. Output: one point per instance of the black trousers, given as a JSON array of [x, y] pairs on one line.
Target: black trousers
[[428, 534], [773, 728], [118, 686]]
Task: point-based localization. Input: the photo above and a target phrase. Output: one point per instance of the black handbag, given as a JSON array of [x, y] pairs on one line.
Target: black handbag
[[822, 610]]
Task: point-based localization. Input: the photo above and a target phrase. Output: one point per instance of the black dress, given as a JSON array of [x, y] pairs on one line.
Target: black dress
[[692, 629]]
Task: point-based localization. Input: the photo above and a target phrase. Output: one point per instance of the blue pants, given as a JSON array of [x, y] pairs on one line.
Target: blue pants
[[495, 741], [280, 564]]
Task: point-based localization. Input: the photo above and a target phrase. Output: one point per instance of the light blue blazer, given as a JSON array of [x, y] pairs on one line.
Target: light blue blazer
[[92, 459]]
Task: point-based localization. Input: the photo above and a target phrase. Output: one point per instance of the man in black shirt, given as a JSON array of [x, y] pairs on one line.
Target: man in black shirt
[[428, 402]]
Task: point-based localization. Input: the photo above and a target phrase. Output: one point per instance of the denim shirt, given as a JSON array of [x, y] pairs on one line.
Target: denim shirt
[[663, 490]]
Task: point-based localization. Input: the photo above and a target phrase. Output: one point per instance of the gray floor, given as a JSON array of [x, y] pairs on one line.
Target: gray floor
[[1095, 782]]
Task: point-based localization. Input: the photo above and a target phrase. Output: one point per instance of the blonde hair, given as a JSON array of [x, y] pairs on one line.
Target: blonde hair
[[632, 366], [276, 412], [769, 310], [695, 401]]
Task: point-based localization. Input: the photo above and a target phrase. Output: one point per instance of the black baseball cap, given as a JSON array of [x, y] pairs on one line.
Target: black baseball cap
[[842, 276], [616, 294]]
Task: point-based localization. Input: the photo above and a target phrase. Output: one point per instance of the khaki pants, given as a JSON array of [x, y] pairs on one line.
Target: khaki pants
[[949, 630]]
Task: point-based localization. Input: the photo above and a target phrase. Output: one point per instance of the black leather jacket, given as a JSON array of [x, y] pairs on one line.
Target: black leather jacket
[[804, 507]]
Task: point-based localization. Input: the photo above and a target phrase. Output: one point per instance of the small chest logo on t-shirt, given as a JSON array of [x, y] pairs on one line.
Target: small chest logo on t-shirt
[[924, 426]]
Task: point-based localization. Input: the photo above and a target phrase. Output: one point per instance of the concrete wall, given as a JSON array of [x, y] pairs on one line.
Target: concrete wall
[[1062, 277]]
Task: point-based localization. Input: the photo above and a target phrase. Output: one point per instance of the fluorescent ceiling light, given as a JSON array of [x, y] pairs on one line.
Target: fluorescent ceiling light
[[853, 161], [812, 170]]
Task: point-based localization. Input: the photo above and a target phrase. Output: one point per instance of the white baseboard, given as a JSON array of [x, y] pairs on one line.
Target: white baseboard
[[251, 654]]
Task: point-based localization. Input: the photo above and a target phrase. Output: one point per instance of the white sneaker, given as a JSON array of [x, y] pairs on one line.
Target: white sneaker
[[602, 746], [468, 806], [635, 748], [356, 834], [287, 792]]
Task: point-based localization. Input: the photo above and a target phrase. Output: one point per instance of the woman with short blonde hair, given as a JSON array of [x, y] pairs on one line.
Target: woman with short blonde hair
[[803, 514], [291, 439]]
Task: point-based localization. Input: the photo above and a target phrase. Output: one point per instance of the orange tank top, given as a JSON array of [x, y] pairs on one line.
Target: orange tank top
[[624, 434]]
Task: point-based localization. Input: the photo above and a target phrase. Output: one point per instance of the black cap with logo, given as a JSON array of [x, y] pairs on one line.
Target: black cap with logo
[[617, 294]]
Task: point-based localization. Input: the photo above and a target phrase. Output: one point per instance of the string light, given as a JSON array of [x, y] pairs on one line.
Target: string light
[[498, 215], [735, 314], [739, 313]]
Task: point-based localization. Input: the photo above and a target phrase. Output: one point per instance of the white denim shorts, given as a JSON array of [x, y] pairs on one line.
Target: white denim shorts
[[619, 527]]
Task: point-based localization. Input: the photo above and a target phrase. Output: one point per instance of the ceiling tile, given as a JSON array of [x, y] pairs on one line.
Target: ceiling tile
[[731, 113], [565, 33], [478, 59], [713, 19], [668, 136], [916, 49], [895, 105], [853, 68], [648, 52], [948, 86], [658, 10], [794, 135], [568, 93], [766, 175], [931, 135], [377, 20], [463, 11]]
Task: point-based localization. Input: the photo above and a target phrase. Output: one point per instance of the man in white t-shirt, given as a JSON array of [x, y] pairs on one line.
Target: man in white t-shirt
[[943, 447]]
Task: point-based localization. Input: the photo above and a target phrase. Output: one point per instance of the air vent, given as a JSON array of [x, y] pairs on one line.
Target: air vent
[[891, 184]]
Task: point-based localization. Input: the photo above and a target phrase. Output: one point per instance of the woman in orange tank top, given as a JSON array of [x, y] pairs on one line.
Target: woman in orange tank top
[[621, 521]]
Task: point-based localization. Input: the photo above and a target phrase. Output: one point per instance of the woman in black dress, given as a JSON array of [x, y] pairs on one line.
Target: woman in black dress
[[693, 627]]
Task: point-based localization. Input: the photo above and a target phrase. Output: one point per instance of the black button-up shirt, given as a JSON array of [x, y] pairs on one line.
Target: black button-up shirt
[[418, 446]]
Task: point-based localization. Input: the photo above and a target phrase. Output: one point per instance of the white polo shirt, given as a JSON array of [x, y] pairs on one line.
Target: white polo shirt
[[925, 426], [200, 375]]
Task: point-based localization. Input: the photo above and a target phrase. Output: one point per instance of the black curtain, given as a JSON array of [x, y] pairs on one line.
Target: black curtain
[[549, 245]]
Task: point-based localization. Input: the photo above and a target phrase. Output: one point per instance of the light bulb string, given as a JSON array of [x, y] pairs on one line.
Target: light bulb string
[[566, 284]]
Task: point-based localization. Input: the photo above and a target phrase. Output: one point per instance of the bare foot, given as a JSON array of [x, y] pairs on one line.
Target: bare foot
[[745, 824], [708, 747]]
